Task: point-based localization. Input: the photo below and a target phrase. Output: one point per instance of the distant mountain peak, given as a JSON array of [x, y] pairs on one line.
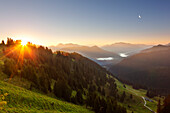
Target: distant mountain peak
[[68, 44], [123, 47], [122, 43], [168, 44], [95, 46]]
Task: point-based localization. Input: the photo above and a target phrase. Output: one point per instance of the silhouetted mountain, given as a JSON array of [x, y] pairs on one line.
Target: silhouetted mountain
[[156, 48], [92, 52], [59, 46], [148, 69], [126, 48], [168, 44]]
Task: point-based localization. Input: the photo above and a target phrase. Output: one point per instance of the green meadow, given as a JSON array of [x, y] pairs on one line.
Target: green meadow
[[20, 100]]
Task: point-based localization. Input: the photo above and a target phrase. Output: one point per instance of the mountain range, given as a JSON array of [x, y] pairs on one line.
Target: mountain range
[[148, 69], [127, 48], [116, 52], [92, 53]]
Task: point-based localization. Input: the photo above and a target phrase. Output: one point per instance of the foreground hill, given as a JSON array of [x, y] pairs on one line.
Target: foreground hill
[[149, 69], [20, 100], [68, 76]]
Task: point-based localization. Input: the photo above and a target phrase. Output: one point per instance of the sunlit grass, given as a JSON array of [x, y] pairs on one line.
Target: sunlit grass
[[22, 100]]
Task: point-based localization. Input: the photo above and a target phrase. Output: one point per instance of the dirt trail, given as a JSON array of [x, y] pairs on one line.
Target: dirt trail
[[146, 105]]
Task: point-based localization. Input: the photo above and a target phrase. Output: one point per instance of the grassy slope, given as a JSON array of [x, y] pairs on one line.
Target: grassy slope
[[137, 102], [22, 100]]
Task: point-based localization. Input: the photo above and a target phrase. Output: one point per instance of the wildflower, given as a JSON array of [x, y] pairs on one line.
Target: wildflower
[[6, 94], [3, 103]]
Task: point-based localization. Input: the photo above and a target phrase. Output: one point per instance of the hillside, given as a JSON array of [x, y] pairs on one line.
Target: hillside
[[149, 69], [21, 100], [51, 104], [67, 76], [134, 101]]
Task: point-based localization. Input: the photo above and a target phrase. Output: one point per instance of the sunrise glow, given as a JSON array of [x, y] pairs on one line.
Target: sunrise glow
[[24, 42]]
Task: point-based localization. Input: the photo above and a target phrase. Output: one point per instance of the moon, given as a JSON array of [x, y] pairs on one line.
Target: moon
[[139, 16]]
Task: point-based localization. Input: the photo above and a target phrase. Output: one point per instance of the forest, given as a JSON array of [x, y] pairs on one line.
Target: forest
[[68, 76]]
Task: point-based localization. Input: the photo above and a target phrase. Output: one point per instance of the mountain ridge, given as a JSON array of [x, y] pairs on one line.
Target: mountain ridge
[[123, 47], [146, 69]]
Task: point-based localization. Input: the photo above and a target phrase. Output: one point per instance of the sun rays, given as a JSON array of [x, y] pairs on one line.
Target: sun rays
[[21, 51], [24, 42]]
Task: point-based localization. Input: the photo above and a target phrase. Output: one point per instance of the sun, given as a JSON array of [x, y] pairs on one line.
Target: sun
[[24, 42]]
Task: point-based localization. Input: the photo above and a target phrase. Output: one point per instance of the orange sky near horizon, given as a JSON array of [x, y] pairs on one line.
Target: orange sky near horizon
[[99, 42]]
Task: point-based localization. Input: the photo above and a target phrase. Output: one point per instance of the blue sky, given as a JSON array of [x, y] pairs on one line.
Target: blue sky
[[88, 22]]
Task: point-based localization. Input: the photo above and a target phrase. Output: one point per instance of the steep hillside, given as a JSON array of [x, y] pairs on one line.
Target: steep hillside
[[148, 69], [68, 76]]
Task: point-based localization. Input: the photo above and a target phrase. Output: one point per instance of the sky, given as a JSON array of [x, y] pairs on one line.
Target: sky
[[86, 22]]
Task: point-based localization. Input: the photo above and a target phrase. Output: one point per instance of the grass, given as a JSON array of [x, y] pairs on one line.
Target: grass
[[23, 101], [136, 103]]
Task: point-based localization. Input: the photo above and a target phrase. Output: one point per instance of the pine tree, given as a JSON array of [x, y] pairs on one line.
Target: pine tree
[[103, 92], [109, 106], [103, 105], [3, 43], [79, 97], [97, 105], [131, 96], [122, 98], [159, 106]]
